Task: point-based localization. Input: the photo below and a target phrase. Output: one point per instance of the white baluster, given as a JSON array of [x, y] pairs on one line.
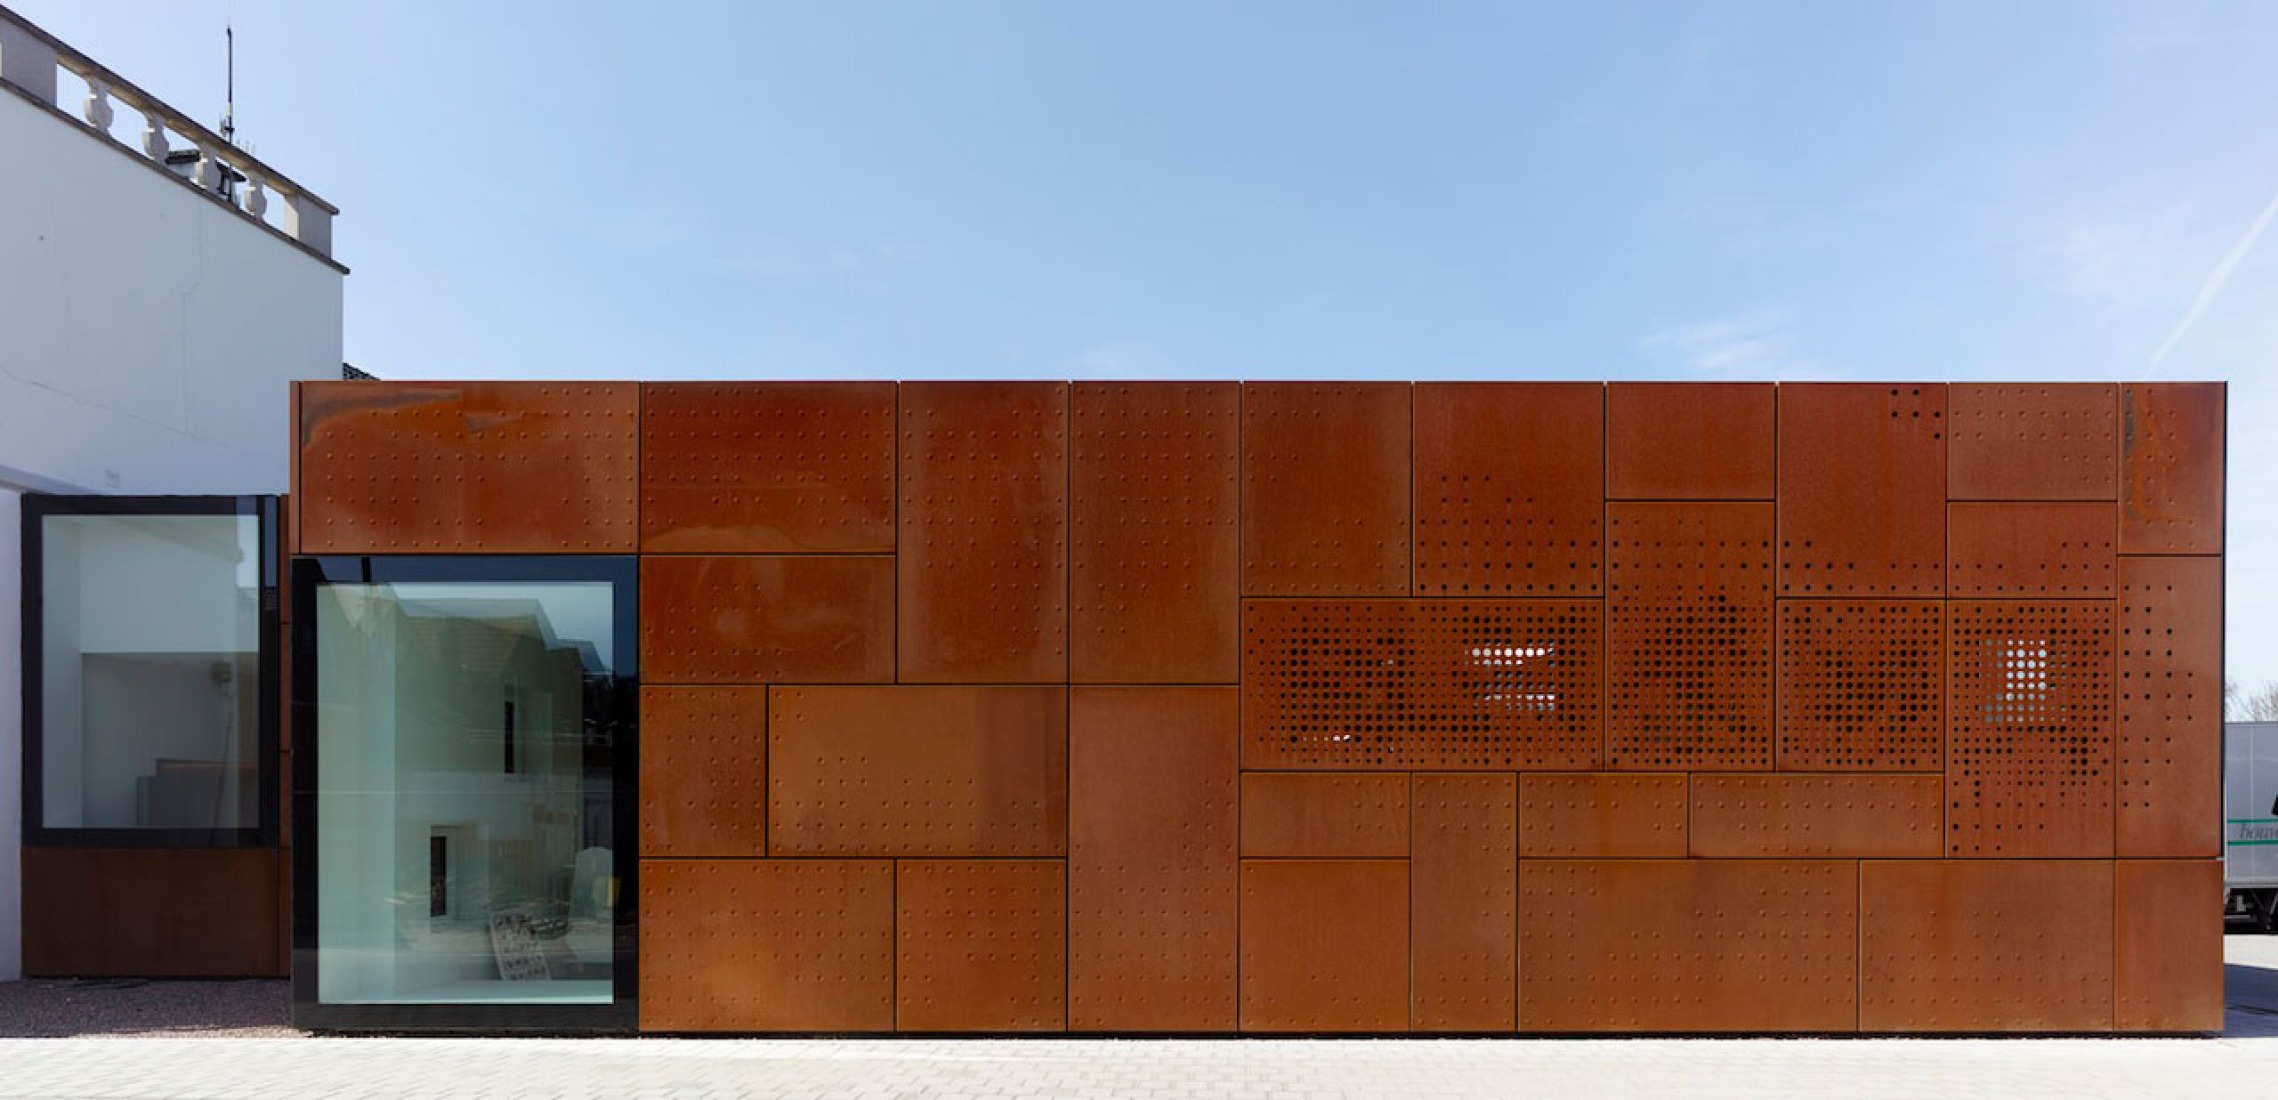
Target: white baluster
[[153, 138], [203, 174], [256, 200], [97, 109]]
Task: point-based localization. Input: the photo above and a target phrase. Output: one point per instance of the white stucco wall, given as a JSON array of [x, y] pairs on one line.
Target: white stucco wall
[[147, 336], [147, 332]]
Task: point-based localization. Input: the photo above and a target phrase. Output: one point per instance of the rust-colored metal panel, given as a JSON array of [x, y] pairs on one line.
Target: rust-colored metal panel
[[983, 551], [1791, 816], [1324, 945], [1152, 846], [2169, 972], [1599, 816], [1300, 814], [1862, 685], [2170, 734], [2042, 550], [2034, 441], [767, 945], [1691, 440], [1509, 488], [917, 771], [2171, 467], [151, 912], [1325, 489], [469, 467], [981, 945], [728, 620], [1464, 912], [1689, 635], [1986, 945], [1688, 945], [1862, 489], [703, 771], [767, 467], [1421, 684], [1154, 553], [2029, 728]]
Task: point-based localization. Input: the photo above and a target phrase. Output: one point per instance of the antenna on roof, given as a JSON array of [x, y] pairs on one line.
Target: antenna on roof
[[229, 102]]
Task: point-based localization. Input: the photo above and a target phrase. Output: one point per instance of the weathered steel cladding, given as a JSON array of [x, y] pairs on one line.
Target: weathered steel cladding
[[1155, 520], [1509, 488], [1152, 845], [1369, 707], [468, 468], [983, 555]]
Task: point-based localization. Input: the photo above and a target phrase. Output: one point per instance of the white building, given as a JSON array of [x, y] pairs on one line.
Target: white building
[[151, 316]]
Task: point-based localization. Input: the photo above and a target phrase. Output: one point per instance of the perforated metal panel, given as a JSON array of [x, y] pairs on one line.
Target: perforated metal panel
[[980, 945], [2033, 442], [1689, 626], [1602, 816], [2170, 735], [1316, 814], [468, 468], [1464, 913], [1687, 945], [1986, 945], [2171, 467], [2169, 958], [1425, 684], [1324, 945], [983, 550], [1152, 872], [1691, 441], [1325, 489], [727, 620], [767, 467], [1862, 685], [1156, 522], [917, 771], [767, 945], [703, 771], [2031, 551], [2029, 728], [1509, 486], [1862, 489], [1861, 816]]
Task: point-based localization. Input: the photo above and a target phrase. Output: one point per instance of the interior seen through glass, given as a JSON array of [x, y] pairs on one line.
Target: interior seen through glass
[[150, 672], [463, 798]]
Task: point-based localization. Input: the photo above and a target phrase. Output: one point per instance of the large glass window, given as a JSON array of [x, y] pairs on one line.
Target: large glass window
[[463, 789], [148, 704]]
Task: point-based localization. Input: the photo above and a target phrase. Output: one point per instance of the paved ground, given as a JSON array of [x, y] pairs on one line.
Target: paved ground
[[241, 1060]]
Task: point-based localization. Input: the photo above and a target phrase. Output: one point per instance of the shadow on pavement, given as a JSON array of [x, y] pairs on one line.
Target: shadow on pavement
[[55, 1009]]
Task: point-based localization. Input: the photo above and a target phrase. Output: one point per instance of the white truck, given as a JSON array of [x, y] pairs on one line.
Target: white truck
[[2250, 823]]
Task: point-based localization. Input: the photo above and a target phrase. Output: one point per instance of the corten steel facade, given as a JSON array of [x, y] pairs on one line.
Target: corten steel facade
[[1366, 707]]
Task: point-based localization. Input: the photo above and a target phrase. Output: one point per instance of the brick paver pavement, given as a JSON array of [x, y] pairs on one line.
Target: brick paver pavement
[[2243, 1062], [2075, 1069]]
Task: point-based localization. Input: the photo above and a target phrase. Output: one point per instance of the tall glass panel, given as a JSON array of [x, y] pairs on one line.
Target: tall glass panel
[[150, 672], [464, 799]]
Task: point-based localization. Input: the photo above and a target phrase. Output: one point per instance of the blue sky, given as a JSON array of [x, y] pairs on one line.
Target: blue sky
[[1942, 191]]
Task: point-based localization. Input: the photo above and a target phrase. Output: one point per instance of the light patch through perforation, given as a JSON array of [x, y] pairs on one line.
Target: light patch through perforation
[[2029, 720], [1862, 685], [1689, 611], [1441, 684]]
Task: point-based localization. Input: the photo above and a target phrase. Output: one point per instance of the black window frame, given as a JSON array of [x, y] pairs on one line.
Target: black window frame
[[621, 1015], [37, 508]]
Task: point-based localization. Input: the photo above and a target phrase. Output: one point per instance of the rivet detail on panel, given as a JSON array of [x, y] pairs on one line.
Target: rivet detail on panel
[[754, 467]]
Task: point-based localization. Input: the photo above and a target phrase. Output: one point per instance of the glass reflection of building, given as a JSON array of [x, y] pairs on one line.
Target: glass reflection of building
[[466, 785]]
